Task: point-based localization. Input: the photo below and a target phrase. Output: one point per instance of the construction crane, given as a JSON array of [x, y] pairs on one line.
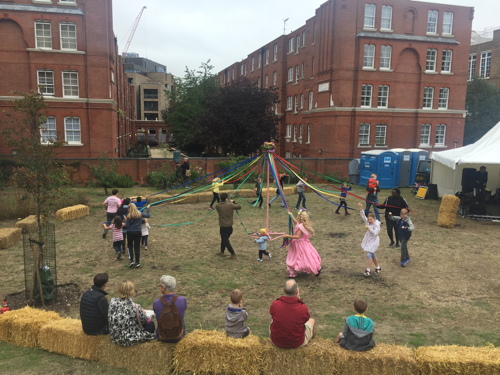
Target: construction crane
[[136, 23]]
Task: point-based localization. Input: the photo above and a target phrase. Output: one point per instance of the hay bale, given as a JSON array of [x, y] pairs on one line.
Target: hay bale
[[5, 331], [152, 357], [72, 213], [448, 211], [209, 352], [382, 359], [454, 359], [28, 224], [66, 337], [316, 358], [9, 236], [23, 326]]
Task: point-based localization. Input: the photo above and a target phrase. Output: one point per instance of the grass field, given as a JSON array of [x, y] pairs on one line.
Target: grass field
[[448, 293]]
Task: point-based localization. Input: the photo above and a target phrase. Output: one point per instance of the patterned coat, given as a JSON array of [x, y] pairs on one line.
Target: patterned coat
[[123, 326]]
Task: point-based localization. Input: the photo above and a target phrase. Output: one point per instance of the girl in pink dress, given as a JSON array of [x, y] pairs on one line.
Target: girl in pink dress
[[302, 256]]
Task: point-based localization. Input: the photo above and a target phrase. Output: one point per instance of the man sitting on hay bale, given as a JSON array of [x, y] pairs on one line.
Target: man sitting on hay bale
[[291, 325], [94, 307]]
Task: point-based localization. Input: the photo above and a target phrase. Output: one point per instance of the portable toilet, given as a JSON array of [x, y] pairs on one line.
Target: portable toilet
[[353, 171], [404, 166], [416, 155], [384, 163]]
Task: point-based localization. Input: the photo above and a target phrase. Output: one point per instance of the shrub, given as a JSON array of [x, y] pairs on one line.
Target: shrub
[[124, 181]]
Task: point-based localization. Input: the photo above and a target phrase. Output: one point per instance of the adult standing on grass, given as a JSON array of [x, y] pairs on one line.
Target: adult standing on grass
[[94, 307], [225, 211], [184, 171], [111, 203], [301, 189], [134, 233], [393, 204]]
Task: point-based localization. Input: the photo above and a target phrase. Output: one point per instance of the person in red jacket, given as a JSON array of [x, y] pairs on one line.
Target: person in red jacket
[[291, 326]]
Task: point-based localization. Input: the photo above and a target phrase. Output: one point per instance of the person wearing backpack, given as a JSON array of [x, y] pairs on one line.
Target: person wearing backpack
[[169, 310]]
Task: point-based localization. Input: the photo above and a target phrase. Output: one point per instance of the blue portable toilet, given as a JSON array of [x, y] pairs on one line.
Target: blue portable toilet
[[416, 155], [384, 163], [404, 166]]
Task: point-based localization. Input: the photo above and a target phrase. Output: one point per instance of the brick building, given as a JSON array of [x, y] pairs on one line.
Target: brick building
[[367, 74], [484, 59], [68, 49]]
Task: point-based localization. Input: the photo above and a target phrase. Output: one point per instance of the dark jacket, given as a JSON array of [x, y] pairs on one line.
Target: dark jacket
[[134, 225], [356, 339], [94, 311], [394, 205], [225, 211]]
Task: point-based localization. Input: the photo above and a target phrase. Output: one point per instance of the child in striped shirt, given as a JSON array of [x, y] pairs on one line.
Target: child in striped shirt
[[116, 228]]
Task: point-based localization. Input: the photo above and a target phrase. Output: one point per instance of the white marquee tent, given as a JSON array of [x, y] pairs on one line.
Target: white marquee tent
[[447, 166]]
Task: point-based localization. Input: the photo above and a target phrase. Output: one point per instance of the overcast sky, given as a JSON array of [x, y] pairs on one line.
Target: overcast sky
[[180, 33]]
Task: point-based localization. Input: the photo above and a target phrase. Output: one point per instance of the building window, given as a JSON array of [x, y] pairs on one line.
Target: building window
[[472, 67], [295, 103], [310, 100], [383, 96], [432, 20], [301, 101], [234, 72], [364, 134], [430, 61], [275, 52], [380, 134], [46, 82], [370, 16], [366, 95], [151, 106], [150, 94], [298, 43], [267, 56], [444, 93], [290, 74], [289, 103], [70, 84], [385, 57], [275, 79], [259, 62], [314, 33], [428, 97], [301, 128], [302, 70], [288, 131], [68, 36], [447, 23], [312, 66], [242, 69], [43, 35], [294, 133], [266, 81], [290, 45], [297, 74], [259, 83], [303, 38], [48, 130], [386, 20], [440, 134], [425, 135], [72, 130], [252, 63], [67, 1], [484, 67], [446, 61], [308, 133], [368, 56]]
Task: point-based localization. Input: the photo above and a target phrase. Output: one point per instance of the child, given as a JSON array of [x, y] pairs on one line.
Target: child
[[116, 228], [139, 203], [145, 233], [370, 241], [262, 241], [372, 188], [404, 227], [235, 317], [358, 331], [283, 176], [301, 188], [258, 192], [345, 188], [216, 184]]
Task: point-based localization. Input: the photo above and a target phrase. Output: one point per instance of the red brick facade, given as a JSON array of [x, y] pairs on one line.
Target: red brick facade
[[367, 74], [68, 46]]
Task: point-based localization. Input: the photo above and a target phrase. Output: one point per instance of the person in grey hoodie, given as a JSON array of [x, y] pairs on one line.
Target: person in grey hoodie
[[235, 317]]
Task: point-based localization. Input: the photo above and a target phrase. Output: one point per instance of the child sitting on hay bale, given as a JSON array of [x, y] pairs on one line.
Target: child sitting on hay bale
[[236, 316], [358, 331]]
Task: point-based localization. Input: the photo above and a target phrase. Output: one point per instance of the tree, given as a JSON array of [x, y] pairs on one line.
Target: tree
[[105, 173], [483, 109]]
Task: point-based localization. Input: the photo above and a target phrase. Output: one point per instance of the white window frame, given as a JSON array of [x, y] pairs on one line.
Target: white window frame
[[432, 21], [386, 18], [444, 95], [366, 96], [252, 63], [310, 100], [383, 96], [302, 70], [291, 44], [297, 74], [259, 61], [446, 60], [369, 56], [425, 135], [297, 47], [67, 2], [301, 130], [69, 78], [295, 104], [448, 23], [48, 131], [267, 57], [242, 69], [301, 101], [385, 57], [68, 37], [290, 75], [72, 130], [430, 60], [259, 83], [440, 135], [308, 134], [275, 79], [288, 131], [289, 103], [303, 38], [45, 79], [294, 133], [485, 64], [369, 18], [275, 52], [471, 72], [380, 135], [266, 81], [364, 134], [43, 35], [428, 97]]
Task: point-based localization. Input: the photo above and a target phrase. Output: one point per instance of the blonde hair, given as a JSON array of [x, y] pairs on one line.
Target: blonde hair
[[263, 231], [126, 289], [303, 217], [133, 212], [404, 211]]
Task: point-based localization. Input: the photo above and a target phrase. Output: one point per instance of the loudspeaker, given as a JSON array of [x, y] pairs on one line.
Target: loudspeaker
[[477, 208], [432, 193], [468, 178]]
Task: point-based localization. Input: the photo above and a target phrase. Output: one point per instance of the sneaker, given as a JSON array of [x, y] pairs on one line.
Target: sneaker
[[391, 244], [377, 270], [347, 213], [259, 260], [119, 257], [403, 263], [397, 245], [367, 273], [220, 253], [132, 264], [210, 208], [269, 255], [145, 247], [137, 265], [406, 261], [104, 236], [233, 256], [338, 213]]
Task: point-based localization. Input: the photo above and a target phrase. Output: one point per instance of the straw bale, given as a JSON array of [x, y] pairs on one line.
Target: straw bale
[[448, 211], [72, 213], [27, 224], [5, 331], [9, 236], [209, 352], [24, 325], [444, 360], [152, 357], [316, 358], [66, 337], [382, 359]]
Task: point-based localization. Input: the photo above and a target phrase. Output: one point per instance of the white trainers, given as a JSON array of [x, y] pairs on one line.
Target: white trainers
[[269, 255], [259, 260], [377, 270], [132, 264], [367, 273]]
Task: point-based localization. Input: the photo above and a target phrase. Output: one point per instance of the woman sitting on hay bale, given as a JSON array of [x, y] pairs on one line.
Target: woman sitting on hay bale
[[128, 322]]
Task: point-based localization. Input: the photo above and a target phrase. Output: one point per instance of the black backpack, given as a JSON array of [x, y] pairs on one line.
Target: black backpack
[[170, 325]]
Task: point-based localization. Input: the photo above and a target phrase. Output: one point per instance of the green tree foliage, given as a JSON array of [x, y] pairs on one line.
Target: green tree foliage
[[104, 173], [483, 109]]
